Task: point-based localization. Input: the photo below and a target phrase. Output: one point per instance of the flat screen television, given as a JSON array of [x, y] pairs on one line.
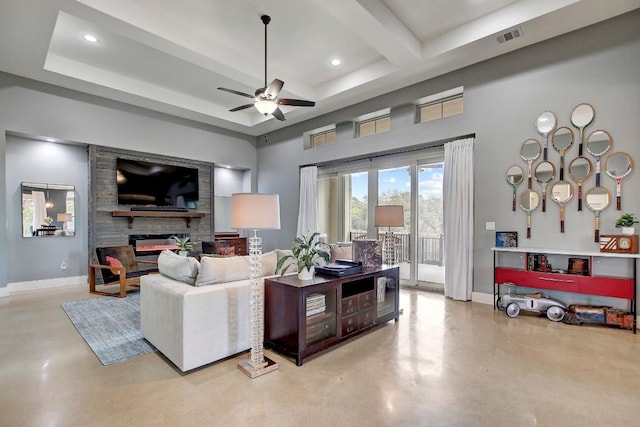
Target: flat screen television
[[143, 183]]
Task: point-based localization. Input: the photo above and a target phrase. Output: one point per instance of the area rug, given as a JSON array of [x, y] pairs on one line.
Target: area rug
[[111, 327]]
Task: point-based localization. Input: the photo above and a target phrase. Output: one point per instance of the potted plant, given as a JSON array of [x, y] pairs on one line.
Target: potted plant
[[184, 245], [626, 222], [47, 220], [306, 252]]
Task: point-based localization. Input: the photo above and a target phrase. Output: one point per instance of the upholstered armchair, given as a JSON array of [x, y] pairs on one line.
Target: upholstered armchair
[[117, 265]]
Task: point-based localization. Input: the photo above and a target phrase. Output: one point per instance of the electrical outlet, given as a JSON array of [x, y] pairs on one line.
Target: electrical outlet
[[63, 265]]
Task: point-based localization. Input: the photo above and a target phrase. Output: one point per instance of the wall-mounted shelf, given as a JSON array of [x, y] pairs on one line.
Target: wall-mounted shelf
[[188, 216]]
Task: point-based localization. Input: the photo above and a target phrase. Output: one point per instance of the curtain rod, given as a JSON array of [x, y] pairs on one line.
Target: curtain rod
[[385, 153]]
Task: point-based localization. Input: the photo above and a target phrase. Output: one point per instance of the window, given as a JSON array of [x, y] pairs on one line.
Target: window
[[440, 109], [323, 138], [373, 126]]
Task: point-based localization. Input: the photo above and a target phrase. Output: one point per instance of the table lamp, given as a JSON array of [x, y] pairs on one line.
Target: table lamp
[[64, 218], [255, 211], [389, 216]]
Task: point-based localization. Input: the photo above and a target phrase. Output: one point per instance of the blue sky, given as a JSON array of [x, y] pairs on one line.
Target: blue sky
[[430, 181]]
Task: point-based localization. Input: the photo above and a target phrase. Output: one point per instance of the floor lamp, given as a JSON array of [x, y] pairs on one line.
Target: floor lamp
[[389, 216], [254, 211]]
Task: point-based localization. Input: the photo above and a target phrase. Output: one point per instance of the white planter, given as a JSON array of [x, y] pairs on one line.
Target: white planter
[[183, 253], [305, 274], [629, 231]]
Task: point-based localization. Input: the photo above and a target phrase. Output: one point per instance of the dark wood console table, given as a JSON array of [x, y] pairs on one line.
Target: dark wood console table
[[303, 318]]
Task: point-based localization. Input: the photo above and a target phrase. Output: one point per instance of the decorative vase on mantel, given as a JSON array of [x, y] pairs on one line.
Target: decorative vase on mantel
[[306, 273]]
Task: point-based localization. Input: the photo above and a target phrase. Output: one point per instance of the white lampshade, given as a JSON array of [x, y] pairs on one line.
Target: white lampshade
[[63, 217], [389, 216], [255, 211], [265, 106]]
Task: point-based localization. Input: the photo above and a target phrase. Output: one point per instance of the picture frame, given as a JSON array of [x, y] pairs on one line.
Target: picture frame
[[506, 239]]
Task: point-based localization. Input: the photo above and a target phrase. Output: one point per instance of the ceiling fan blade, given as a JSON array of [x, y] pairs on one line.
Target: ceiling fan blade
[[242, 107], [274, 88], [236, 92], [296, 102], [278, 115]]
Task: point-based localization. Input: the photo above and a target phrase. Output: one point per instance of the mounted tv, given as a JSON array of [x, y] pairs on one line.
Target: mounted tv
[[151, 184]]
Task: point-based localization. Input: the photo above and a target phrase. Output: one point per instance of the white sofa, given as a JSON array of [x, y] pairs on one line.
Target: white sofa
[[195, 312]]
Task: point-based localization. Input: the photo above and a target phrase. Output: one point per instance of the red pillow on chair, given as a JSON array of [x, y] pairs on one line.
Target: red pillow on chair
[[228, 251], [114, 262]]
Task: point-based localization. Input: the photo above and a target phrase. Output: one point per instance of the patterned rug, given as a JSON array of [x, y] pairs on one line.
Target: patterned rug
[[111, 327]]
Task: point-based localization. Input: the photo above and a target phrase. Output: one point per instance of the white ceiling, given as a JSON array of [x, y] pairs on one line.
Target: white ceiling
[[170, 55]]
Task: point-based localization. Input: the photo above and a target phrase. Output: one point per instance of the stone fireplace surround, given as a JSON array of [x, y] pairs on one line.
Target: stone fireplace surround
[[107, 230]]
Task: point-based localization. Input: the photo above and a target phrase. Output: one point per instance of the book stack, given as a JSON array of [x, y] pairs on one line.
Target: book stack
[[316, 304]]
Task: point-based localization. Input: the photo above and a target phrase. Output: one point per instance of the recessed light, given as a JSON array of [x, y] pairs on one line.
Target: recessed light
[[336, 62], [90, 38]]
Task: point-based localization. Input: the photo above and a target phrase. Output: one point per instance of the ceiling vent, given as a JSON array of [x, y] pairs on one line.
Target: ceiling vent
[[513, 33]]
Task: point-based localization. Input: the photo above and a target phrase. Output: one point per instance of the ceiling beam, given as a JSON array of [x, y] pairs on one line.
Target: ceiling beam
[[375, 24]]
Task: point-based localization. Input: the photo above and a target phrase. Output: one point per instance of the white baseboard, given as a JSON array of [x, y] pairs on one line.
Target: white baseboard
[[482, 298], [45, 284], [4, 292]]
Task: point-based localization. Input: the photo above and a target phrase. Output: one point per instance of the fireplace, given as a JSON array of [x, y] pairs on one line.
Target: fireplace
[[152, 244]]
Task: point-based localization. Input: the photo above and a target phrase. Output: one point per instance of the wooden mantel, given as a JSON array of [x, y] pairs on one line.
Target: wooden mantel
[[188, 216]]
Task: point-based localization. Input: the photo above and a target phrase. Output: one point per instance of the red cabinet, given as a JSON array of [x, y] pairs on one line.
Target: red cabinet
[[591, 283]]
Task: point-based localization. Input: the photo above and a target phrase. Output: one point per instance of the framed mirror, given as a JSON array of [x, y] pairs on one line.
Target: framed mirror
[[581, 117], [48, 210], [544, 174], [580, 169], [545, 124], [562, 139], [617, 166], [529, 201], [597, 200], [598, 143], [515, 175], [561, 193], [530, 151]]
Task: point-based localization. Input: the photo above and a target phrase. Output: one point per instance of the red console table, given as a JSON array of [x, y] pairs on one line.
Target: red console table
[[590, 283]]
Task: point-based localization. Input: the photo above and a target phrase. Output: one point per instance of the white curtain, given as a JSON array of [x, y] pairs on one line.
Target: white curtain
[[39, 210], [458, 219], [308, 209]]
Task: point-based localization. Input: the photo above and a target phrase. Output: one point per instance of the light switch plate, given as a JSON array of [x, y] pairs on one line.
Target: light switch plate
[[490, 226]]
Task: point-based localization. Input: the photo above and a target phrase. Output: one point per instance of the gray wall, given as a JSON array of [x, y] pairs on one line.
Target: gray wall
[[31, 108], [37, 258], [502, 97]]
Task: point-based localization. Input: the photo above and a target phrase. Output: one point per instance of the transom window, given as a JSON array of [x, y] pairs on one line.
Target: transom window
[[323, 138], [439, 109], [373, 126]]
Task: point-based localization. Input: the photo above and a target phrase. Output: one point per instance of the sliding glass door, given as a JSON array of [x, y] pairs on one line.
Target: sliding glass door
[[348, 194]]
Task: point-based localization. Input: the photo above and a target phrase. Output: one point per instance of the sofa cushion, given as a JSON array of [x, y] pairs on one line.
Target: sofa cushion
[[180, 268]]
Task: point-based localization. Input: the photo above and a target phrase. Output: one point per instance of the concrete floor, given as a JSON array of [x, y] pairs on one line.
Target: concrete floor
[[445, 363]]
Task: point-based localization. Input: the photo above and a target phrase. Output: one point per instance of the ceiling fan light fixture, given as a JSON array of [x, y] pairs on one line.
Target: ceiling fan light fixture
[[265, 106]]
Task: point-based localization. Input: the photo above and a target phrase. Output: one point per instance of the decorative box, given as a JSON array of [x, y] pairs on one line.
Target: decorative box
[[368, 252], [619, 243]]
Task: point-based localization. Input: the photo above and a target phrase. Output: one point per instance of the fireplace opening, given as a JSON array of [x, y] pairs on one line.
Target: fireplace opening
[[153, 244]]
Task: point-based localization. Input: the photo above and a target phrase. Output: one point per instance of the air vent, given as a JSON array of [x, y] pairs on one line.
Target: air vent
[[513, 33]]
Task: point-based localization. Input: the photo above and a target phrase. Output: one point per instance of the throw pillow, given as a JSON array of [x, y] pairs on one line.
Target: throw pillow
[[291, 262], [269, 261], [340, 252], [214, 270], [228, 251], [180, 268], [114, 262]]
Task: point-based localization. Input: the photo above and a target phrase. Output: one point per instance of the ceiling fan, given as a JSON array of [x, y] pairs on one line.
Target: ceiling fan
[[266, 98]]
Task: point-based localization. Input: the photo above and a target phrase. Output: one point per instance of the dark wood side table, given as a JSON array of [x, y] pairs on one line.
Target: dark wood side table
[[303, 318]]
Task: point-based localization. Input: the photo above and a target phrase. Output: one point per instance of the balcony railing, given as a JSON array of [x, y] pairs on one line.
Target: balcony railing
[[430, 249]]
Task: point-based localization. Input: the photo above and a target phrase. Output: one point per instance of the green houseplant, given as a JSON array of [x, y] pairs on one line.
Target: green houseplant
[[306, 252], [626, 222], [184, 244]]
